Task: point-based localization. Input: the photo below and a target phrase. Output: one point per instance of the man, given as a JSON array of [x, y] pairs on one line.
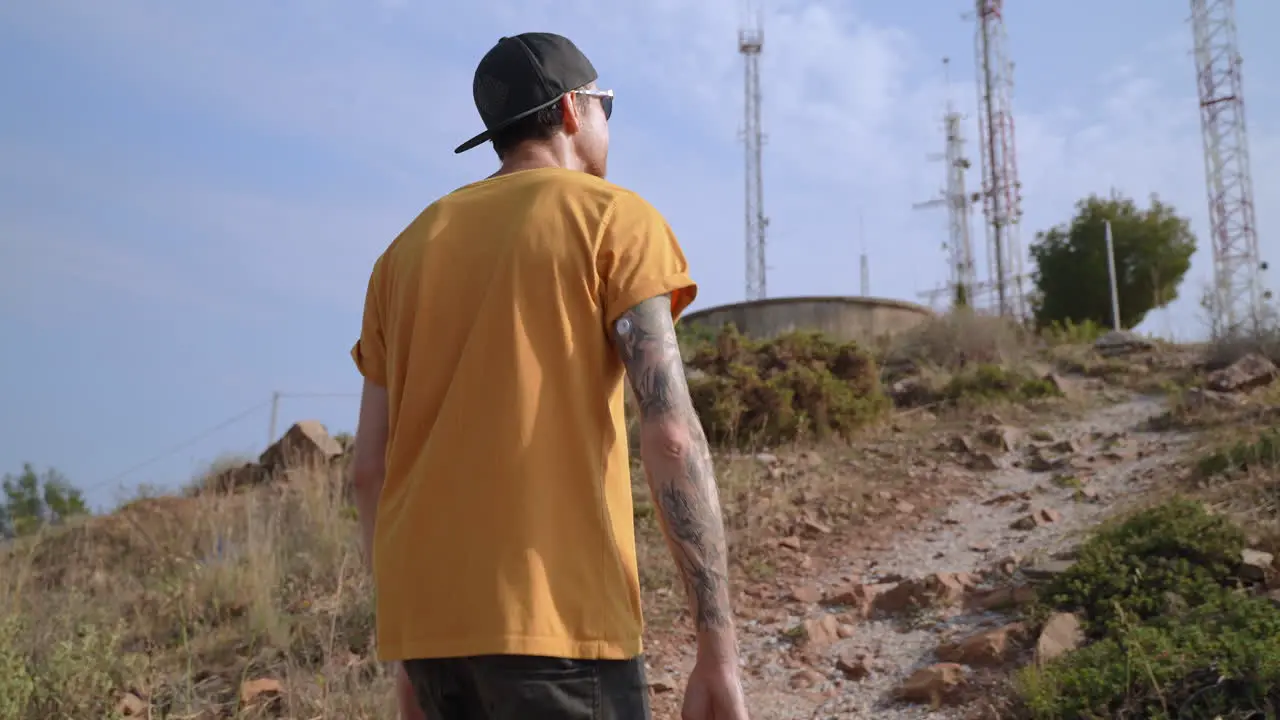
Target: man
[[491, 447]]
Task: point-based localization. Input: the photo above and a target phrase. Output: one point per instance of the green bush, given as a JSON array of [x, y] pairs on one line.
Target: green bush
[[799, 385], [1218, 660], [987, 383], [1264, 452], [1129, 570], [1174, 634], [1069, 332]]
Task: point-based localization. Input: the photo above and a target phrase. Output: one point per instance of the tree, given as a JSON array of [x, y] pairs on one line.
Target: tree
[[1153, 249], [33, 500]]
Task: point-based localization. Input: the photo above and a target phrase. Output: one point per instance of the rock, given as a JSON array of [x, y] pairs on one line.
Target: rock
[[661, 683], [260, 690], [905, 507], [820, 632], [1120, 342], [855, 666], [809, 526], [1199, 399], [861, 598], [937, 590], [1041, 435], [1063, 386], [808, 594], [1002, 598], [1047, 570], [791, 543], [911, 392], [1256, 565], [985, 649], [1000, 437], [1039, 460], [936, 685], [130, 705], [846, 631], [767, 459], [1037, 518], [305, 444], [1249, 372], [1061, 634], [983, 462], [957, 444], [805, 679]]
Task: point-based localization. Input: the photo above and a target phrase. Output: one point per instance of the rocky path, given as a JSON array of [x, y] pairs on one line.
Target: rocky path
[[842, 644]]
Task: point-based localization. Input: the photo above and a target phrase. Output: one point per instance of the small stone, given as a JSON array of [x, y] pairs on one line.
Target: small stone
[[807, 594], [905, 507], [820, 632], [985, 649], [262, 689], [1061, 634], [1255, 565], [791, 542], [130, 705], [805, 679], [936, 685], [855, 666]]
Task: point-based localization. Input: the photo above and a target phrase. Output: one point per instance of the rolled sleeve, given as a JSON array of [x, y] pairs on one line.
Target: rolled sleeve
[[370, 352], [640, 258]]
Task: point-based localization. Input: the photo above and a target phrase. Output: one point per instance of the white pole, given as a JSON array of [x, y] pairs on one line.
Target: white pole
[[1111, 268]]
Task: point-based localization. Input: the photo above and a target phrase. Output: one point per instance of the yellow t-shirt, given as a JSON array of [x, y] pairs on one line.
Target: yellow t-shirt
[[505, 525]]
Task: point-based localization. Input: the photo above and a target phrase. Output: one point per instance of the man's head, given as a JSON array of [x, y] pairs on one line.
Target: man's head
[[537, 94]]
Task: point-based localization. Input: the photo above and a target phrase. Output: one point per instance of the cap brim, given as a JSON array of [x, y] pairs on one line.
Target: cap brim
[[487, 135], [476, 141]]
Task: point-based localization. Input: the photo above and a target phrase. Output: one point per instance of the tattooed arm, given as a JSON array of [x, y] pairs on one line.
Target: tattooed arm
[[677, 462]]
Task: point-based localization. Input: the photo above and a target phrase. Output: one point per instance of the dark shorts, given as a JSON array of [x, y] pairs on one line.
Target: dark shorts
[[523, 687]]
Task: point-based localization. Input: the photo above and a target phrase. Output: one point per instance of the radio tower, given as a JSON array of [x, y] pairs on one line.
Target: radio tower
[[1001, 191], [1237, 291], [962, 279], [750, 44]]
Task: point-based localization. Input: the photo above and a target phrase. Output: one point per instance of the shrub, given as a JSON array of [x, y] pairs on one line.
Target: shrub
[[1174, 636], [1129, 570], [799, 385], [962, 338], [986, 383], [1069, 332], [1219, 660], [1242, 455]]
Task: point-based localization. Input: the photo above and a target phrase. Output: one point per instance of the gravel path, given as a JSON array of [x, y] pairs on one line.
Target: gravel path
[[1114, 456]]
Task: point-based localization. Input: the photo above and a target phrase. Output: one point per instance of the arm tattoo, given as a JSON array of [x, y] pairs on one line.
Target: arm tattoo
[[683, 482]]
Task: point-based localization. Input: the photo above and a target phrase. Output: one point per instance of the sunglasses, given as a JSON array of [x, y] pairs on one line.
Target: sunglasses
[[606, 99]]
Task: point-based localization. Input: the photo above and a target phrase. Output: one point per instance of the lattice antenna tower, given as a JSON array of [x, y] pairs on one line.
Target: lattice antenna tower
[[751, 45], [962, 274], [1237, 294], [1001, 190]]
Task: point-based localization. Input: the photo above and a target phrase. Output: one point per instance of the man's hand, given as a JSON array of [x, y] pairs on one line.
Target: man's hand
[[714, 692]]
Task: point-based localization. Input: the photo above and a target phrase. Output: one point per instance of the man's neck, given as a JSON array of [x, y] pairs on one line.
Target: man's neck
[[534, 156]]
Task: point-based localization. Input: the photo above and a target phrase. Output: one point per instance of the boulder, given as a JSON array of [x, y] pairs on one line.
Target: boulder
[[1249, 372], [305, 444]]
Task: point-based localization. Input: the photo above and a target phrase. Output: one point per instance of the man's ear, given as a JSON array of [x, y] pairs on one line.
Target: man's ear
[[569, 109]]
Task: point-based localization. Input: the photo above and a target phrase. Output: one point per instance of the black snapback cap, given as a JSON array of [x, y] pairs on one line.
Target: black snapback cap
[[522, 75]]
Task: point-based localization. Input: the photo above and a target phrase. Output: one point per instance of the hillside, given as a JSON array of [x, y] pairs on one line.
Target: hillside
[[971, 522]]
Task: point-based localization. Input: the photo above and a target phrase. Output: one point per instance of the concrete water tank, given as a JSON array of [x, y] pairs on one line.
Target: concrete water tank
[[860, 319]]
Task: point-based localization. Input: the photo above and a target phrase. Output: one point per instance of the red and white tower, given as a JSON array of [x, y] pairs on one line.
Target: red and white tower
[[1001, 190], [1237, 295]]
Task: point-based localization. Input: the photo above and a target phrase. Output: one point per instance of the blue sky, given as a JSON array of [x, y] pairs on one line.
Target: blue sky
[[191, 194]]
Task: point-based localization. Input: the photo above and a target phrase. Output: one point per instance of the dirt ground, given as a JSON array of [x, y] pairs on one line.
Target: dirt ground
[[977, 498]]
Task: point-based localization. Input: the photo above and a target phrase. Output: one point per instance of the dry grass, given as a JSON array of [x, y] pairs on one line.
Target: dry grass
[[180, 600], [962, 338]]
